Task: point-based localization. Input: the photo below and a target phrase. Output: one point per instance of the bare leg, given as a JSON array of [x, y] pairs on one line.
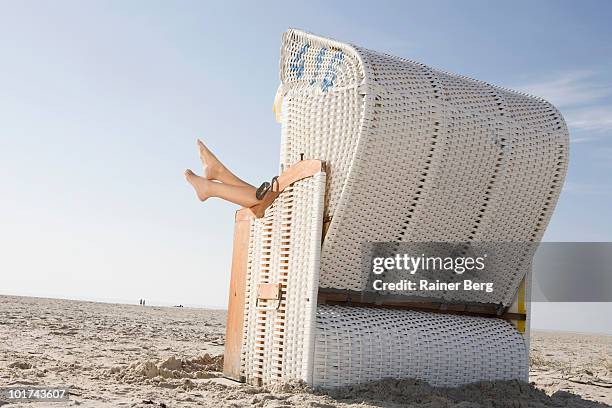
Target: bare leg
[[204, 188], [215, 170]]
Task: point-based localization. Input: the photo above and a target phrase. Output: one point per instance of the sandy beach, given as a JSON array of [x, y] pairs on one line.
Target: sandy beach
[[113, 355]]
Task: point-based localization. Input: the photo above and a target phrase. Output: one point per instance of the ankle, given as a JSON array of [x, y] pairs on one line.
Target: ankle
[[204, 188], [213, 172]]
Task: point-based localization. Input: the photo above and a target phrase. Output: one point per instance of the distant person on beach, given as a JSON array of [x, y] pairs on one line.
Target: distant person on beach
[[219, 181]]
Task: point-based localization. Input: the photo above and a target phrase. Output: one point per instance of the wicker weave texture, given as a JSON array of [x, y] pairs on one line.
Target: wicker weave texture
[[415, 154], [284, 248], [355, 345]]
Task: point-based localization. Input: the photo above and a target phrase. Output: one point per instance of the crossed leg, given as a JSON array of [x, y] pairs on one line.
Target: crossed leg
[[215, 170], [219, 181]]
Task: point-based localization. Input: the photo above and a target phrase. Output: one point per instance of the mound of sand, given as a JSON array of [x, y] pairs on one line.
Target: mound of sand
[[155, 372]]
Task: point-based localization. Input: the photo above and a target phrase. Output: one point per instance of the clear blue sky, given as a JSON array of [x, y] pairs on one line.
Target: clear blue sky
[[101, 103]]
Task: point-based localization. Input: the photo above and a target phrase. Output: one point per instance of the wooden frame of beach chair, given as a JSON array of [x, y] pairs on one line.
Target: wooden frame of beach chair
[[396, 152]]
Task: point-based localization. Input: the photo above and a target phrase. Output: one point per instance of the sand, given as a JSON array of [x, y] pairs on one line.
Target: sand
[[113, 355]]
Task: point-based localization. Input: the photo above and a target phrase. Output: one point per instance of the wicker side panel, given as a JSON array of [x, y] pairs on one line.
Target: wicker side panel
[[250, 297], [303, 279], [285, 250], [356, 345], [322, 107]]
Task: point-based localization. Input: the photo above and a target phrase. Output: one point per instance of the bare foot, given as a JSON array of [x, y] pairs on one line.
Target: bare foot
[[212, 165], [200, 184]]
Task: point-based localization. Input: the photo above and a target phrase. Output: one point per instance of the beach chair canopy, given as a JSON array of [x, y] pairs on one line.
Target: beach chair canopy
[[415, 154]]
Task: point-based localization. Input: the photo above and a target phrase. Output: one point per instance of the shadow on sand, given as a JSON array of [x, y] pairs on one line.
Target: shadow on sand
[[415, 393]]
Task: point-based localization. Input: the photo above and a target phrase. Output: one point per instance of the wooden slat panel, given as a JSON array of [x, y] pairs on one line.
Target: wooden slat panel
[[354, 298], [235, 310]]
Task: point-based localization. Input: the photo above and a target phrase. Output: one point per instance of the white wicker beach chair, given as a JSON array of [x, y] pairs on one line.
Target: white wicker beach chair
[[382, 149]]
